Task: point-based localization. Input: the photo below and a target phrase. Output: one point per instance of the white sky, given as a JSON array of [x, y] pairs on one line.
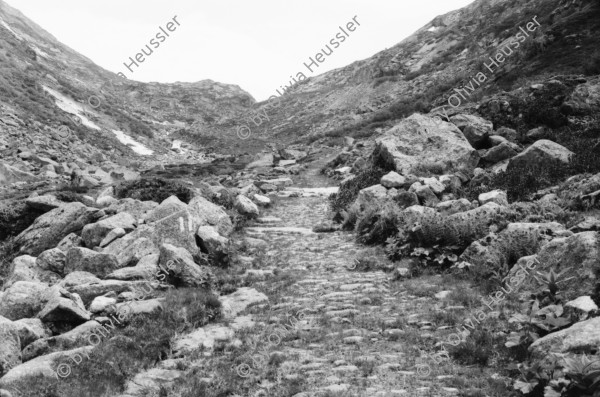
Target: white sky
[[255, 44]]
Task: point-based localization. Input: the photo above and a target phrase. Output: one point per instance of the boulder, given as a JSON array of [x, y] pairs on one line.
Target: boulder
[[10, 346], [211, 242], [245, 206], [130, 249], [89, 291], [453, 206], [585, 99], [426, 196], [495, 196], [435, 185], [23, 299], [261, 201], [49, 229], [10, 174], [582, 337], [71, 240], [43, 203], [44, 367], [235, 303], [279, 183], [291, 154], [419, 140], [376, 192], [101, 303], [64, 307], [94, 233], [499, 153], [393, 180], [78, 278], [86, 260], [543, 153], [206, 213], [475, 129], [30, 330], [52, 260], [146, 269], [581, 254], [112, 236], [79, 336], [138, 209], [508, 133], [24, 268], [184, 271]]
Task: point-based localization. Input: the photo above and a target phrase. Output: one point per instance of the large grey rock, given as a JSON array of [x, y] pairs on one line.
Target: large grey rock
[[420, 140], [44, 203], [542, 153], [235, 303], [64, 307], [211, 242], [94, 233], [138, 209], [79, 336], [495, 196], [30, 330], [206, 213], [475, 129], [245, 206], [78, 278], [88, 292], [146, 269], [580, 253], [451, 207], [10, 174], [185, 271], [25, 268], [86, 260], [52, 260], [49, 229], [393, 180], [44, 367], [499, 153], [582, 337], [22, 300], [376, 192], [585, 99], [142, 242], [10, 346]]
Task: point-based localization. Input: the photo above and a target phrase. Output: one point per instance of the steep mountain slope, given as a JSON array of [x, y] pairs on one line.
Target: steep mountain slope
[[49, 90], [423, 70]]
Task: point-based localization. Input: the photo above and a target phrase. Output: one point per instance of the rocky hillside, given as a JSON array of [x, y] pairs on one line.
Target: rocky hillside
[[59, 106], [422, 71]]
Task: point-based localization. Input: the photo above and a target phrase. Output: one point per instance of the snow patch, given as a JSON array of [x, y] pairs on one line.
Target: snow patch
[[70, 106], [10, 29], [432, 29], [129, 141]]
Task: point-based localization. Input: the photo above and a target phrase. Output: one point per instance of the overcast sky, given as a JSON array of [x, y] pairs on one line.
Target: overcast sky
[[256, 44]]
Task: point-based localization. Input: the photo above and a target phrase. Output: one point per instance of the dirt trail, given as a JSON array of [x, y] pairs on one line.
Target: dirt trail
[[352, 333]]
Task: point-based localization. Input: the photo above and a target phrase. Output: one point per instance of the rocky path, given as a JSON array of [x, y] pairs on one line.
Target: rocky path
[[343, 332]]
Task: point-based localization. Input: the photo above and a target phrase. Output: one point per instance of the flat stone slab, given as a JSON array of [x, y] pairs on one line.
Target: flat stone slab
[[279, 230]]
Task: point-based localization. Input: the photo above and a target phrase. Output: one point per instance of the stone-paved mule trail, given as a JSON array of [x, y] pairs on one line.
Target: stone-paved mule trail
[[350, 338]]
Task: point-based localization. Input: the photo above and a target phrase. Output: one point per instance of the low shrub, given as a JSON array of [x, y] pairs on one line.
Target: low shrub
[[153, 189]]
